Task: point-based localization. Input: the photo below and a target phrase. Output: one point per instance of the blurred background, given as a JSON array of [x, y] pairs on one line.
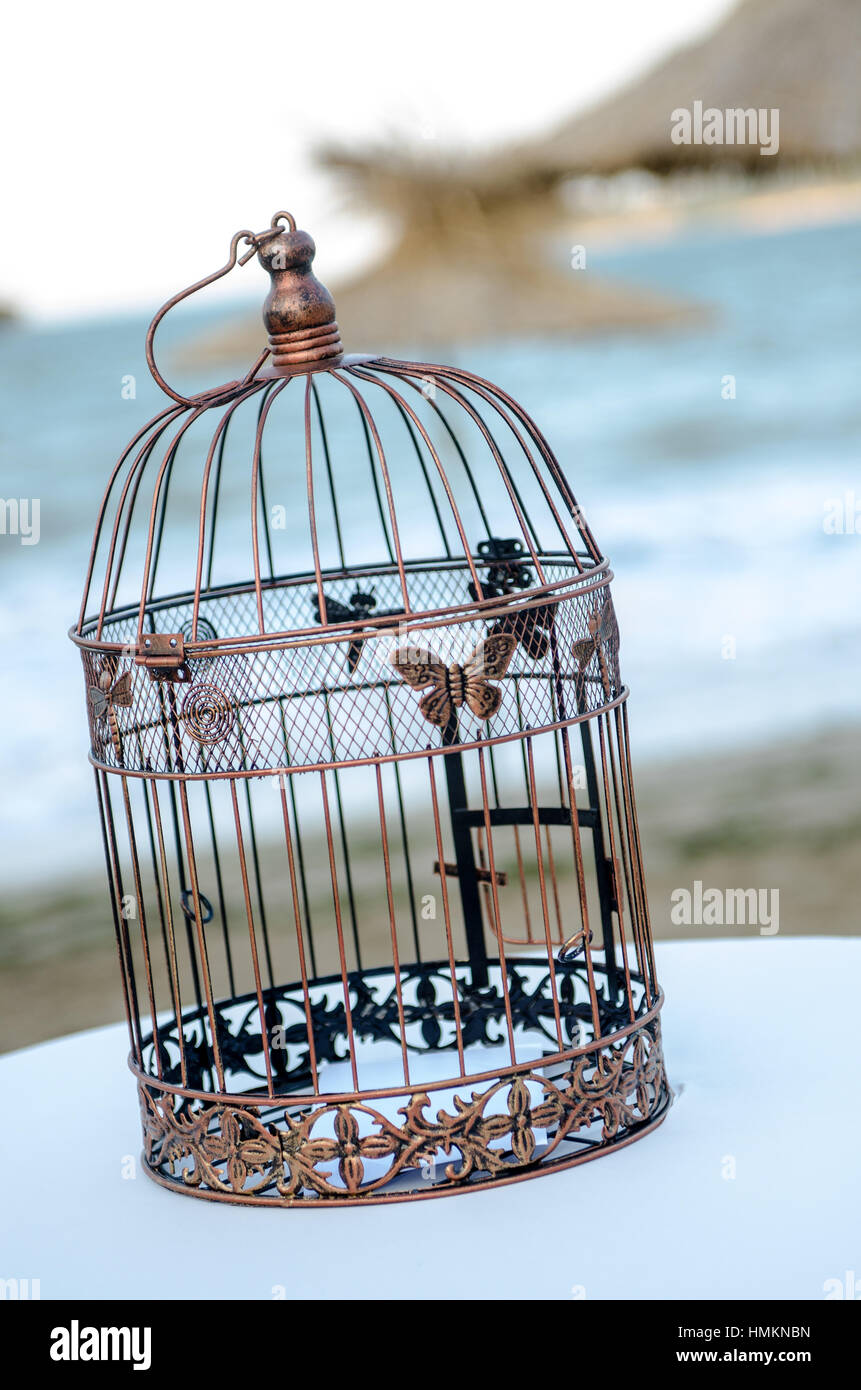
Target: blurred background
[[499, 189]]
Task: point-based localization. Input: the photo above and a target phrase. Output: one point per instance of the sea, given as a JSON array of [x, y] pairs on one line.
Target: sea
[[717, 464]]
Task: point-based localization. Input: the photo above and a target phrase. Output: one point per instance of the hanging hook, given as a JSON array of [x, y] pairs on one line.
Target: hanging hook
[[254, 241], [286, 217]]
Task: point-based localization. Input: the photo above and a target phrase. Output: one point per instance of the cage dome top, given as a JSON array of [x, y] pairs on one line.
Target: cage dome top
[[285, 531]]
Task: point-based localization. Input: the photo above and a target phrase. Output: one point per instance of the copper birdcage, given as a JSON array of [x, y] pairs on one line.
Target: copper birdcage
[[362, 761]]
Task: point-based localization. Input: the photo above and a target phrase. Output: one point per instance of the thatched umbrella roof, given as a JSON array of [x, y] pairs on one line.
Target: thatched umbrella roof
[[799, 56], [470, 258], [431, 294], [479, 245]]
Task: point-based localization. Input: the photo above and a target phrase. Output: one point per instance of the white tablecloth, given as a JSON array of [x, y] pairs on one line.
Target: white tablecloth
[[761, 1042]]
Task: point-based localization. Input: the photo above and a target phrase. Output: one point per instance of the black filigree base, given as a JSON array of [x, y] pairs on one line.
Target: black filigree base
[[500, 1122]]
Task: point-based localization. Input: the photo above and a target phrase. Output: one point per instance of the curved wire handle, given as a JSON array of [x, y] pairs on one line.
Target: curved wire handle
[[254, 241]]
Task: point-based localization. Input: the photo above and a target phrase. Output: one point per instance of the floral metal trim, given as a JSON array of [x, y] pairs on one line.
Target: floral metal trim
[[217, 1149]]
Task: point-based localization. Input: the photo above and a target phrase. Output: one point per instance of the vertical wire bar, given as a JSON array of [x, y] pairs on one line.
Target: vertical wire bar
[[518, 700], [327, 456], [116, 898], [639, 849], [496, 395], [125, 949], [312, 514], [255, 478], [637, 869], [560, 776], [456, 517], [342, 825], [542, 886], [336, 900], [113, 568], [139, 898], [426, 475], [403, 822], [523, 888], [624, 840], [217, 445], [506, 998], [523, 520], [376, 483], [601, 870], [128, 504], [216, 498], [174, 756], [387, 869], [554, 884], [488, 396], [581, 884], [152, 847], [258, 881], [442, 417], [267, 535], [174, 972], [616, 893], [142, 433], [558, 704], [556, 693], [464, 852], [222, 905], [162, 517], [634, 885], [387, 485], [201, 941], [300, 943], [146, 573], [167, 698], [447, 916], [529, 531], [520, 868], [252, 939], [485, 895], [180, 863], [303, 879]]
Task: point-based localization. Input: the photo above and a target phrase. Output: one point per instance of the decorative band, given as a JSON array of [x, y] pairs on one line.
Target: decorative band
[[305, 345]]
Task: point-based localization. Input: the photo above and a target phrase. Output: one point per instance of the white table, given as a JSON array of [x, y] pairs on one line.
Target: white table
[[761, 1041]]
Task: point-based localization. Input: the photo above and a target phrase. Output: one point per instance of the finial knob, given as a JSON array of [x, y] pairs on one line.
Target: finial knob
[[299, 312]]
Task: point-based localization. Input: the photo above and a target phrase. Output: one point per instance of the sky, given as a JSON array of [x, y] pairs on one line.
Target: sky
[[139, 138]]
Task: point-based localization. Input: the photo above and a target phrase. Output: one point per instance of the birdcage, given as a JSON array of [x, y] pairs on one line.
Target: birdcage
[[361, 752]]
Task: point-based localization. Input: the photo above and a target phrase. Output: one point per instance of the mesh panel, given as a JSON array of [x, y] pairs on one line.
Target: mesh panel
[[305, 705]]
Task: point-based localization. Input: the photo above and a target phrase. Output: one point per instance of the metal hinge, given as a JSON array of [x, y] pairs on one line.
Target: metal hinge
[[163, 655]]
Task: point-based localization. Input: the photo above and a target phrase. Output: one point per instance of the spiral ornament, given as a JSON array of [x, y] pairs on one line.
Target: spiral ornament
[[207, 713]]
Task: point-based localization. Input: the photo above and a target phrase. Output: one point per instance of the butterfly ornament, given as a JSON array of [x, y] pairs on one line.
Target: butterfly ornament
[[530, 627], [106, 695], [361, 605], [456, 685], [602, 643]]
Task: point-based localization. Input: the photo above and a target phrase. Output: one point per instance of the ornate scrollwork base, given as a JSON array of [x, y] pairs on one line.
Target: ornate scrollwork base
[[423, 1143]]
